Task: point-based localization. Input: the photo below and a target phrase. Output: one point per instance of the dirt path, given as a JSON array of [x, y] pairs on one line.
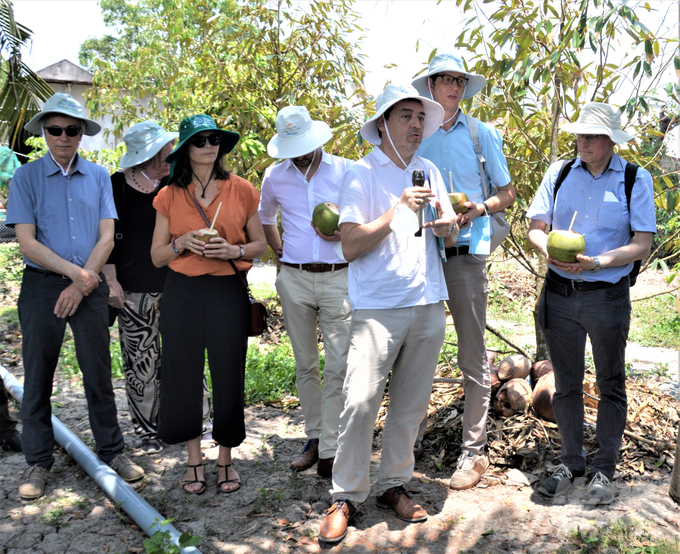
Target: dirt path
[[277, 511]]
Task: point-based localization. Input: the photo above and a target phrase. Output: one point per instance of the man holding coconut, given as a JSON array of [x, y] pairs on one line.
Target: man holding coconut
[[590, 297], [452, 149], [313, 278]]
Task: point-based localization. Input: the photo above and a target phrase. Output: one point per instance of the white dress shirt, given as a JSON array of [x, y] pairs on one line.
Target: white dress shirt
[[285, 187], [404, 270]]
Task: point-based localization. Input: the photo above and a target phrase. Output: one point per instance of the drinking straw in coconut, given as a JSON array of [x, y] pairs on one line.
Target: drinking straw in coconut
[[450, 182], [218, 211], [572, 220]]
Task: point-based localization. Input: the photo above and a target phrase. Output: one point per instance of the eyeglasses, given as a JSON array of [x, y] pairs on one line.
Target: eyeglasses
[[71, 130], [199, 140], [449, 79], [589, 138]]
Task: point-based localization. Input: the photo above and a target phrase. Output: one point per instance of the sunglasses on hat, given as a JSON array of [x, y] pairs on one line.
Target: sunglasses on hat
[[199, 140], [56, 131]]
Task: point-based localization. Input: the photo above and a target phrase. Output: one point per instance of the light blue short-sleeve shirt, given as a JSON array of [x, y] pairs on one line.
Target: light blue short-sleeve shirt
[[65, 210], [602, 210], [453, 151]]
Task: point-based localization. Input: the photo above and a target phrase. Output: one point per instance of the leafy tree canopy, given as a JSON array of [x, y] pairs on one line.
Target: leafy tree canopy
[[240, 62]]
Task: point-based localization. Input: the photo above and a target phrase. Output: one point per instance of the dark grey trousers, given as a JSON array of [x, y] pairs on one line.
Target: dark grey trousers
[[604, 316], [43, 333]]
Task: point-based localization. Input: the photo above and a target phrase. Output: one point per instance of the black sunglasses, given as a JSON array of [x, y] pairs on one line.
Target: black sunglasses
[[71, 130], [199, 140]]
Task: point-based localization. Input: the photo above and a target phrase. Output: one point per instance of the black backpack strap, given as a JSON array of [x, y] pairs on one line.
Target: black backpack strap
[[562, 175], [629, 180]]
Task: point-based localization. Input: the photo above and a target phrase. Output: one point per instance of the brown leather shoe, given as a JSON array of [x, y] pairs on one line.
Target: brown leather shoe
[[325, 467], [308, 457], [334, 526], [397, 499]]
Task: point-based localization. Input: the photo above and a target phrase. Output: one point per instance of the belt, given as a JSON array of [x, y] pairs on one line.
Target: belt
[[317, 268], [561, 285], [45, 272], [457, 250]]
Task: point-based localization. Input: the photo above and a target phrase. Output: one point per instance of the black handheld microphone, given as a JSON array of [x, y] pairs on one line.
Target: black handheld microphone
[[418, 180]]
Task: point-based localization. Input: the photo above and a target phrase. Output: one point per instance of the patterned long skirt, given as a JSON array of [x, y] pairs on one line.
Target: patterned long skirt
[[140, 345]]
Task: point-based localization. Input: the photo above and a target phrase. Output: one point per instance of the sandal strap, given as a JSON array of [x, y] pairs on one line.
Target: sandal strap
[[196, 479], [226, 474]]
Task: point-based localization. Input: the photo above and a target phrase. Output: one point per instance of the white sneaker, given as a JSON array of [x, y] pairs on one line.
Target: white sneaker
[[469, 471], [600, 490]]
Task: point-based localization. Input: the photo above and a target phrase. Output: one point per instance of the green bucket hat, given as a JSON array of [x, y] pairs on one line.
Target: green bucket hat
[[195, 124]]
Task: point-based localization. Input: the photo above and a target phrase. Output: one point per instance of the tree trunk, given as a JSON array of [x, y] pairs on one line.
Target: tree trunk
[[674, 490], [541, 345]]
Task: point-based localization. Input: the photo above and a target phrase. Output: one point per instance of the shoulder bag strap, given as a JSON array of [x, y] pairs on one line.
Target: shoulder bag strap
[[473, 128], [233, 265]]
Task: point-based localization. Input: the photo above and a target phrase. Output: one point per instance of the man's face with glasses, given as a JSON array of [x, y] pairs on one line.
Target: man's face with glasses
[[594, 149], [447, 89], [62, 135]]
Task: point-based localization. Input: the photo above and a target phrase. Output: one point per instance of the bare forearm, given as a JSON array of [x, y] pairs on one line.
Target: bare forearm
[[504, 198], [271, 232], [109, 271], [41, 255], [359, 240], [99, 255], [538, 238], [637, 249]]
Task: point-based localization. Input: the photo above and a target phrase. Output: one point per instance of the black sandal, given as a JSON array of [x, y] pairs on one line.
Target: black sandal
[[183, 482], [226, 474]]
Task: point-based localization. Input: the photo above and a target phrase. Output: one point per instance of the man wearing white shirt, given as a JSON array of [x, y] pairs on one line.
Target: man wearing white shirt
[[397, 289], [313, 278]]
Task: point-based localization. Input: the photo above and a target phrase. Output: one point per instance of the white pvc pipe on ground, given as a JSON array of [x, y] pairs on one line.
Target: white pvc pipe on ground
[[141, 512]]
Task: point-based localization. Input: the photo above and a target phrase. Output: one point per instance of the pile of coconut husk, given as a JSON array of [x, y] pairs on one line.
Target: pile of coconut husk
[[525, 441]]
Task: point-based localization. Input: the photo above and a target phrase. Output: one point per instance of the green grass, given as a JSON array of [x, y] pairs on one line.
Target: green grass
[[655, 322], [270, 371], [623, 537]]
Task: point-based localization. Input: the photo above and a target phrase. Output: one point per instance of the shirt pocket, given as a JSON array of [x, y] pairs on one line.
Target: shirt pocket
[[609, 215]]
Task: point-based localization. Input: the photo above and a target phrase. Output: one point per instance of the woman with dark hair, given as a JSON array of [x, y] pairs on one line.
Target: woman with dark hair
[[205, 306]]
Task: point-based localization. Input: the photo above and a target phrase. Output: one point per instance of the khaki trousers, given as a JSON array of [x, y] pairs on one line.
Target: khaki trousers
[[406, 341], [467, 284], [304, 296]]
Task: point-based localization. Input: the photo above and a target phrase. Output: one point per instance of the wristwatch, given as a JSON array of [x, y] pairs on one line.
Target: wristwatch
[[486, 208], [597, 263], [243, 253]]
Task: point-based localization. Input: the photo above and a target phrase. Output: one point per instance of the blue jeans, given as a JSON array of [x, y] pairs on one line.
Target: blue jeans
[[604, 316], [43, 333]]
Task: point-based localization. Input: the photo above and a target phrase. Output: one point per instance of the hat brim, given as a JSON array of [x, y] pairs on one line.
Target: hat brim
[[131, 159], [35, 126], [617, 136], [475, 84], [294, 147], [434, 115], [231, 138]]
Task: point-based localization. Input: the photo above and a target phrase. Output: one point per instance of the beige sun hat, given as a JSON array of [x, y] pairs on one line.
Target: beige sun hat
[[434, 113], [63, 104], [598, 118], [297, 134]]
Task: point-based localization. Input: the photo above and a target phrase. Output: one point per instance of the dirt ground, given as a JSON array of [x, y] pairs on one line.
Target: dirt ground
[[278, 511]]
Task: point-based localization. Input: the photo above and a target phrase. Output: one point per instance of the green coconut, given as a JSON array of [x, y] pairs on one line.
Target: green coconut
[[457, 201], [564, 245], [208, 234], [325, 217]]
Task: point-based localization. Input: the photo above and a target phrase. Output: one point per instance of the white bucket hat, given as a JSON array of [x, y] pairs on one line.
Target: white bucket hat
[[63, 104], [598, 118], [296, 134], [143, 141], [448, 62], [434, 113]]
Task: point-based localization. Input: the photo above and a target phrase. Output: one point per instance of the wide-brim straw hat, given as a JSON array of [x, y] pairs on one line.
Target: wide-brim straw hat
[[434, 113], [448, 62], [598, 118], [62, 104], [297, 134], [143, 141]]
